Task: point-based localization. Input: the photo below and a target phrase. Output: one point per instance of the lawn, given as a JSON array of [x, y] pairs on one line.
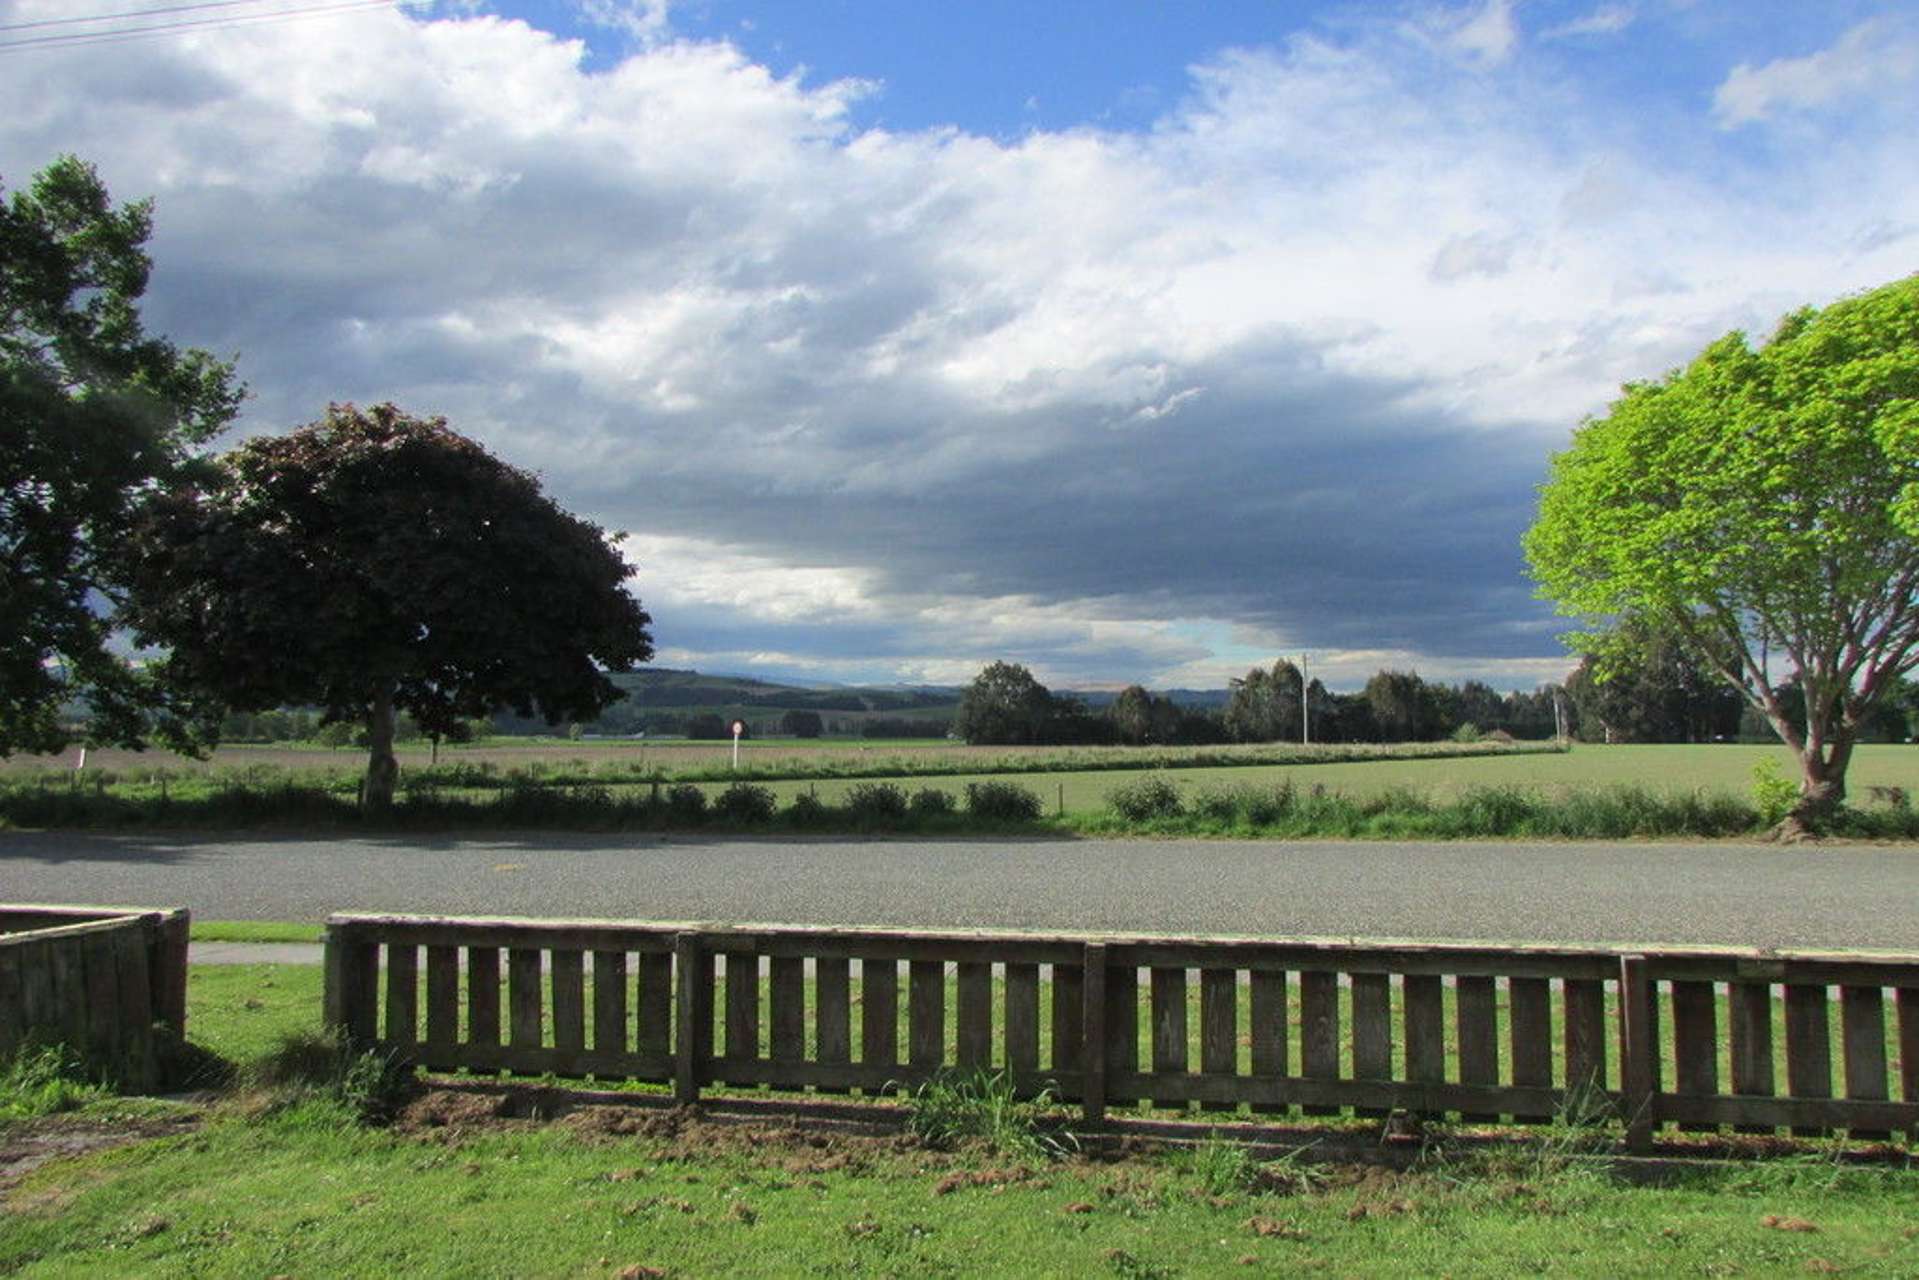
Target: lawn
[[291, 1183]]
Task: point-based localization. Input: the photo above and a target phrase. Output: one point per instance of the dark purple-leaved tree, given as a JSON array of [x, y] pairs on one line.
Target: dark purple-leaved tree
[[373, 563]]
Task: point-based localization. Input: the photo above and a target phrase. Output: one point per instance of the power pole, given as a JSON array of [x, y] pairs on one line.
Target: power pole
[[1305, 707]]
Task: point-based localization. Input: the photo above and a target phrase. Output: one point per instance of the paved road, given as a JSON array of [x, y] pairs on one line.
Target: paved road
[[1744, 895]]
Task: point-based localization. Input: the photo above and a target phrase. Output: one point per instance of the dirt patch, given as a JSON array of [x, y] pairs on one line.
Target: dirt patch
[[677, 1133], [26, 1146]]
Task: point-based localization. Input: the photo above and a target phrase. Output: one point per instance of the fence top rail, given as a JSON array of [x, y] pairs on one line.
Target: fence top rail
[[1392, 955], [79, 914], [112, 924]]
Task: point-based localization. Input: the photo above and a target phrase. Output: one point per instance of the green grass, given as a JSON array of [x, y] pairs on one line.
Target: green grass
[[1590, 792], [257, 931], [297, 1186]]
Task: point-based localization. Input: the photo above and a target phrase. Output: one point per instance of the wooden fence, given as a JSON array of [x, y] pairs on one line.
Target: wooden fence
[[1521, 1034], [96, 979]]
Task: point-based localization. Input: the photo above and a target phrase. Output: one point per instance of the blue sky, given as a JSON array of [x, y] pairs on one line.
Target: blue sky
[[1131, 342]]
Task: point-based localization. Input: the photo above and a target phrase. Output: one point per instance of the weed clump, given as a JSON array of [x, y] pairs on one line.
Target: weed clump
[[44, 1080], [957, 1107], [1146, 798], [744, 803], [878, 804], [1002, 801]]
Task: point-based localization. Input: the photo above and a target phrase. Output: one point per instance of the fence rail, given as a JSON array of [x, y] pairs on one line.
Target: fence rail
[[1523, 1034], [97, 979]]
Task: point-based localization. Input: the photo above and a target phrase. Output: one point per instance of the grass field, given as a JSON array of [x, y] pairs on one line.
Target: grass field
[[287, 1182]]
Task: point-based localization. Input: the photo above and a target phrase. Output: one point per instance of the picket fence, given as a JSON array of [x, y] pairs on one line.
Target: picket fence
[[1515, 1034]]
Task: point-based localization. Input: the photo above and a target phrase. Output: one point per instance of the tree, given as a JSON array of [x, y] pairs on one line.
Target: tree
[[1402, 708], [1750, 505], [801, 724], [1004, 705], [1139, 717], [374, 563], [1646, 687], [93, 413], [1264, 705]]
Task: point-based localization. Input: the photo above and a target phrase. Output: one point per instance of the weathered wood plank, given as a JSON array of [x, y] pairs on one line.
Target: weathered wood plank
[[610, 1030], [974, 1015], [655, 1032], [879, 1012], [787, 990], [13, 1014], [1585, 1035], [483, 996], [1333, 1095], [526, 1000], [1862, 1015], [1069, 1017], [1476, 1023], [1219, 1026], [1639, 1053], [833, 1005], [1808, 1046], [569, 1001], [136, 1069], [1270, 1049], [442, 1007], [1372, 1034], [1531, 1031], [1022, 1017], [103, 999], [1695, 1039], [1169, 1024], [1749, 1009], [1423, 999], [926, 1013], [403, 997], [1319, 1029], [742, 1006], [692, 1016], [1093, 1072]]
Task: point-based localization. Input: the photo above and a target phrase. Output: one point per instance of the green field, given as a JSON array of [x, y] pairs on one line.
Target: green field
[[1716, 767]]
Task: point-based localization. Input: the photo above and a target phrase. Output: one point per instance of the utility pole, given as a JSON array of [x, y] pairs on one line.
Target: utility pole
[[1305, 709]]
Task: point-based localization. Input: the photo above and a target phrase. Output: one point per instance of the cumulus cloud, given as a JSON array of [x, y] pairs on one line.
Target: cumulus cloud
[[1279, 372], [1866, 60]]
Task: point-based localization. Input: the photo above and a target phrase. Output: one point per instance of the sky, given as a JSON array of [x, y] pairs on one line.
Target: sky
[[1127, 341]]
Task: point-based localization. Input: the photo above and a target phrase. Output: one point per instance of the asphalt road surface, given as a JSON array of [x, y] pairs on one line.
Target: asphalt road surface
[[1739, 895]]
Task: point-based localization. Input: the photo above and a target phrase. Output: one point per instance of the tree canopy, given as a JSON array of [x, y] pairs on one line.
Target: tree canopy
[[94, 412], [1759, 506], [1004, 705], [373, 563]]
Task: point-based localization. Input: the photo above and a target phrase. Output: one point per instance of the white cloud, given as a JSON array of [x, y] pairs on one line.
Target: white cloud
[[1606, 20], [1285, 365], [1866, 60], [1486, 35]]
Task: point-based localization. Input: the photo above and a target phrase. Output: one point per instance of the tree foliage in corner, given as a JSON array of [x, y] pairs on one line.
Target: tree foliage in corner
[[94, 413], [373, 563], [1758, 506]]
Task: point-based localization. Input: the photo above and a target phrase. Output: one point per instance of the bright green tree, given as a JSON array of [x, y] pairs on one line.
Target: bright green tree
[[372, 564], [94, 414], [1750, 505]]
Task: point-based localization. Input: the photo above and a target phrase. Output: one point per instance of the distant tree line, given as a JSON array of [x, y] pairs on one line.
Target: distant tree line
[[1006, 705]]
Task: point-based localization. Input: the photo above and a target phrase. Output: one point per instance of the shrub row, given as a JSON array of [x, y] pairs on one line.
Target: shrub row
[[1158, 804]]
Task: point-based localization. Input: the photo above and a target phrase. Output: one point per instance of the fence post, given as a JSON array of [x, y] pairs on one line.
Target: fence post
[[352, 983], [168, 968], [1092, 1052], [687, 1020], [1638, 1053]]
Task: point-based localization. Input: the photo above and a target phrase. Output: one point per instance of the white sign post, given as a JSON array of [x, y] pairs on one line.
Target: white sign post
[[739, 727]]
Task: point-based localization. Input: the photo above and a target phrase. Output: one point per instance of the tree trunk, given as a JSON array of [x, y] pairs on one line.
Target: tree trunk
[[382, 770], [1822, 788]]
